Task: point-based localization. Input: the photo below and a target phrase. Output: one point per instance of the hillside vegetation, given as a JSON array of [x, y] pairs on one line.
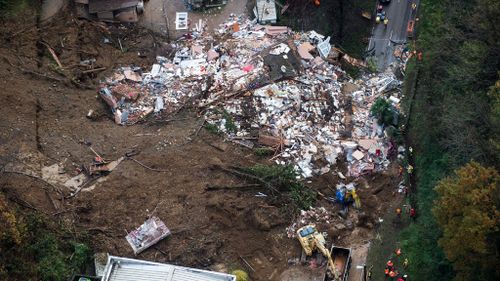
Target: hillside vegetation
[[455, 118]]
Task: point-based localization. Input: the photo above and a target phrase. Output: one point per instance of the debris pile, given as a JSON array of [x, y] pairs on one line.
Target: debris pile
[[313, 216], [258, 82]]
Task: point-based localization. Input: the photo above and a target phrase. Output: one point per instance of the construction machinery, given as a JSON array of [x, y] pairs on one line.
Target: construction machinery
[[338, 264]]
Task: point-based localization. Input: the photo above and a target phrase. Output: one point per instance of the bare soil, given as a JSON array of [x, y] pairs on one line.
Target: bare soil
[[43, 122]]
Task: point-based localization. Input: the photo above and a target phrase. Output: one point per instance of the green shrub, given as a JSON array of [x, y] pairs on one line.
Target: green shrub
[[230, 125], [212, 128], [82, 255], [263, 151], [372, 64], [383, 111], [284, 178], [240, 275], [9, 8], [302, 196]]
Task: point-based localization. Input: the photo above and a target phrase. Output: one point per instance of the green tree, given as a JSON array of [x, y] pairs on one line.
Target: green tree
[[12, 235], [383, 111], [468, 213]]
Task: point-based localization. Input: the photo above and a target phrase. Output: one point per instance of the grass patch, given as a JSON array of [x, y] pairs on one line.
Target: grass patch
[[384, 245]]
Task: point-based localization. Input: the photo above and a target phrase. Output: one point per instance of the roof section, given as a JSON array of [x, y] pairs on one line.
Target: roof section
[[110, 5], [125, 269]]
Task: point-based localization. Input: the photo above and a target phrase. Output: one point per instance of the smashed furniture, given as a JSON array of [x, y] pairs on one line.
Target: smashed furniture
[[148, 234], [125, 269]]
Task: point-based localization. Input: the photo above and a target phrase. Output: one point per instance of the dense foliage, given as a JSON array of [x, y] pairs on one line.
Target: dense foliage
[[454, 116], [9, 8], [32, 249], [284, 178], [468, 211]]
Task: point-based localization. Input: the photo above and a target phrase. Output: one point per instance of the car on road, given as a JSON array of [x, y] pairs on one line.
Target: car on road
[[385, 2]]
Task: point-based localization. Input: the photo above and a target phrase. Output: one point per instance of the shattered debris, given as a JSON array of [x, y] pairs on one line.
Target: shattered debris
[[312, 216], [148, 234], [264, 81]]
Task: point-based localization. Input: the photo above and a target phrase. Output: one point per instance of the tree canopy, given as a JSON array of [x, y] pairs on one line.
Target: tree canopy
[[468, 212]]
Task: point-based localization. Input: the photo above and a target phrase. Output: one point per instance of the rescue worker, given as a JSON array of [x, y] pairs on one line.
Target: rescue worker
[[405, 191], [398, 212], [398, 252], [390, 264], [405, 277], [413, 214], [393, 273], [409, 169], [405, 263]]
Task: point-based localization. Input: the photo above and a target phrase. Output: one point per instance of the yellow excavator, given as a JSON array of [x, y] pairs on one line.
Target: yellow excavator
[[311, 240]]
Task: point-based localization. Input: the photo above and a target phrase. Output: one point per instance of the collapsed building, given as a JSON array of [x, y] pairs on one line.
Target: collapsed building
[[267, 86]]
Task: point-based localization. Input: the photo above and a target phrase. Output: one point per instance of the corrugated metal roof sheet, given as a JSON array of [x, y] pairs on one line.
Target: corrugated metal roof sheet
[[125, 269], [186, 274], [145, 273]]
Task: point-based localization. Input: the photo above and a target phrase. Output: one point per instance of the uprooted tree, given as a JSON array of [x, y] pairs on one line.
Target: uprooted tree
[[468, 212]]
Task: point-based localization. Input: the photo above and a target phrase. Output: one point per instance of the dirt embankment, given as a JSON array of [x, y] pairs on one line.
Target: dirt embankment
[[43, 123]]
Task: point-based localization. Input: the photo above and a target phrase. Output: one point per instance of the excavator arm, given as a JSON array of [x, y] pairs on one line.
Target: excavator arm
[[331, 264], [327, 254], [311, 240]]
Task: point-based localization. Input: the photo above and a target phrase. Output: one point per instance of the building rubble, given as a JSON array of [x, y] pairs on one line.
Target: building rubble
[[250, 82], [313, 216]]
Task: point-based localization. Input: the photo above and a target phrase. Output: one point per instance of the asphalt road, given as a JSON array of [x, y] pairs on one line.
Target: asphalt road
[[385, 39]]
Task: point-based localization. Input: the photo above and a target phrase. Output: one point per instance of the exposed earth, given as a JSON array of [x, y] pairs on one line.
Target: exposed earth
[[44, 122]]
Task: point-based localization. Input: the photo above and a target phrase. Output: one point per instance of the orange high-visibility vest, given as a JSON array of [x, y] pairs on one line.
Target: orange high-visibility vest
[[386, 271]]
